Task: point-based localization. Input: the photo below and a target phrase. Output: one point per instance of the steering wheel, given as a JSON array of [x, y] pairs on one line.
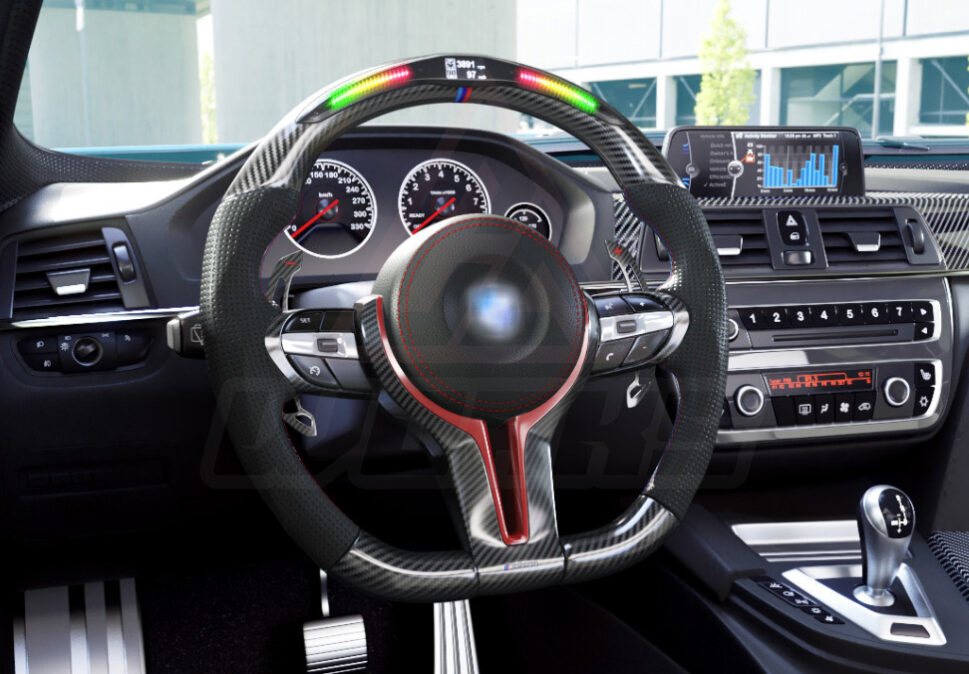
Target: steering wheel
[[477, 329]]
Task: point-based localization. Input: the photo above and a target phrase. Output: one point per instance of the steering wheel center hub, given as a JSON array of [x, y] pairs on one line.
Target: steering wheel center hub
[[484, 315]]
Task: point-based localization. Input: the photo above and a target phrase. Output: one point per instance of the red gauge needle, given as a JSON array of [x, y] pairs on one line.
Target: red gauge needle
[[433, 215], [317, 217]]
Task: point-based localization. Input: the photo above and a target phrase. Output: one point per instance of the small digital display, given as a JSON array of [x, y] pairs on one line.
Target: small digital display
[[823, 381], [766, 161]]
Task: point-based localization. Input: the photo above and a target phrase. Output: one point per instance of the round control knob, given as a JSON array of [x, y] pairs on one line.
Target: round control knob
[[733, 329], [749, 400], [87, 351], [897, 391]]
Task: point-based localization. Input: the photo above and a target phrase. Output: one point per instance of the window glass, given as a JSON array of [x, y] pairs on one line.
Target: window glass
[[838, 95], [945, 90], [634, 98], [687, 87]]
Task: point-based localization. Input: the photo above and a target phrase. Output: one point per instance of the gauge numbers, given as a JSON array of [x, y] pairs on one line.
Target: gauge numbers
[[337, 211], [438, 189]]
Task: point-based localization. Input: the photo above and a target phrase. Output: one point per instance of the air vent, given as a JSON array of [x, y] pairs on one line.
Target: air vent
[[69, 274], [739, 236], [863, 235]]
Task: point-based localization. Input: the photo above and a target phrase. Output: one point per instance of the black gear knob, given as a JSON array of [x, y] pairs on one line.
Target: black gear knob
[[886, 520]]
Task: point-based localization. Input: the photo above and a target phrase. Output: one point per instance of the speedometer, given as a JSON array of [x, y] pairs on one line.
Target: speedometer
[[337, 211], [437, 189]]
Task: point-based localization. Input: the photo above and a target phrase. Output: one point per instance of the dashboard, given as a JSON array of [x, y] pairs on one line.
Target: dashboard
[[860, 347]]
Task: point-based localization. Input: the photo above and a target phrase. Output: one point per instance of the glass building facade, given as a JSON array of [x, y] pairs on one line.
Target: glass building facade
[[838, 95]]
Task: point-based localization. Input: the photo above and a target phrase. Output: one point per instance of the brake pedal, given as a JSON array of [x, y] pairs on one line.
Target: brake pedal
[[334, 645]]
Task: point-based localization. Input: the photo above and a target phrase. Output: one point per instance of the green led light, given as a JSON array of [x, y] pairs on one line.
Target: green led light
[[570, 94], [354, 91]]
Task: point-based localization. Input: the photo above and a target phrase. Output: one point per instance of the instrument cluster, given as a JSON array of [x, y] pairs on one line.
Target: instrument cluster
[[339, 211]]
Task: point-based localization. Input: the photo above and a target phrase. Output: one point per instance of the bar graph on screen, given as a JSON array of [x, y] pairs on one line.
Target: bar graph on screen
[[800, 166]]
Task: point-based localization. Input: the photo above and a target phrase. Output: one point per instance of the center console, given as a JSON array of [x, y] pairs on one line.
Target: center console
[[836, 358]]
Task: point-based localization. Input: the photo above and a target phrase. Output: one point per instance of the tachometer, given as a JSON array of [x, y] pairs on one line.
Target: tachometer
[[437, 189], [337, 211]]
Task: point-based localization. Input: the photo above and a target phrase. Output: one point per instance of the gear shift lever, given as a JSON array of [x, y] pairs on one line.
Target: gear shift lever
[[886, 520]]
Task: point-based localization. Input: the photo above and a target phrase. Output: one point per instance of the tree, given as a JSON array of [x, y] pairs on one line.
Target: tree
[[727, 86], [210, 133]]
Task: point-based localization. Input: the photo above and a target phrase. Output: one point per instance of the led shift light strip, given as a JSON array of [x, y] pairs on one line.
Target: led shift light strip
[[354, 91], [570, 94]]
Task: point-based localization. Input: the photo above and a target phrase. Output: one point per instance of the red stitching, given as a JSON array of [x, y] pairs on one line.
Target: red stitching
[[497, 405]]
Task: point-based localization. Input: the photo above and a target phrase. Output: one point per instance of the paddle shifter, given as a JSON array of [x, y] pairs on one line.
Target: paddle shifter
[[886, 520]]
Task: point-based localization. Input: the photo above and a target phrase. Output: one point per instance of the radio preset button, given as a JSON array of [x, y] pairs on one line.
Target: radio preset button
[[900, 312], [800, 317], [824, 315], [749, 400], [851, 314], [876, 314], [773, 317]]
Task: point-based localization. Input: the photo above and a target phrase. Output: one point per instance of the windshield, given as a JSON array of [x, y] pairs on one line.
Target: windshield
[[118, 76]]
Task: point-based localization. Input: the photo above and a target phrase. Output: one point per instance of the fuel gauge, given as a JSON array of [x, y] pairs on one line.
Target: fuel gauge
[[532, 216]]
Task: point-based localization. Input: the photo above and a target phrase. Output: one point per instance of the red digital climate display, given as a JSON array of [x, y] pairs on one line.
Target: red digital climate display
[[820, 382]]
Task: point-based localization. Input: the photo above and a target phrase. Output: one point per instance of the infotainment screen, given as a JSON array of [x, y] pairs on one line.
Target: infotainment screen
[[763, 161]]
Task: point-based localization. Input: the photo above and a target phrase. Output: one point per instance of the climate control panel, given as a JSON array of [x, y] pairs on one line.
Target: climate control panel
[[820, 396]]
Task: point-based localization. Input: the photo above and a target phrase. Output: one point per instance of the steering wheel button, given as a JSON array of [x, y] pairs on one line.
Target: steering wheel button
[[642, 303], [645, 347], [305, 321], [349, 374], [314, 370], [611, 306], [625, 327], [612, 354], [328, 345]]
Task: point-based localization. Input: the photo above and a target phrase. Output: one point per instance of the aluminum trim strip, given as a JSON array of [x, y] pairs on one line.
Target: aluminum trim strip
[[87, 319]]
